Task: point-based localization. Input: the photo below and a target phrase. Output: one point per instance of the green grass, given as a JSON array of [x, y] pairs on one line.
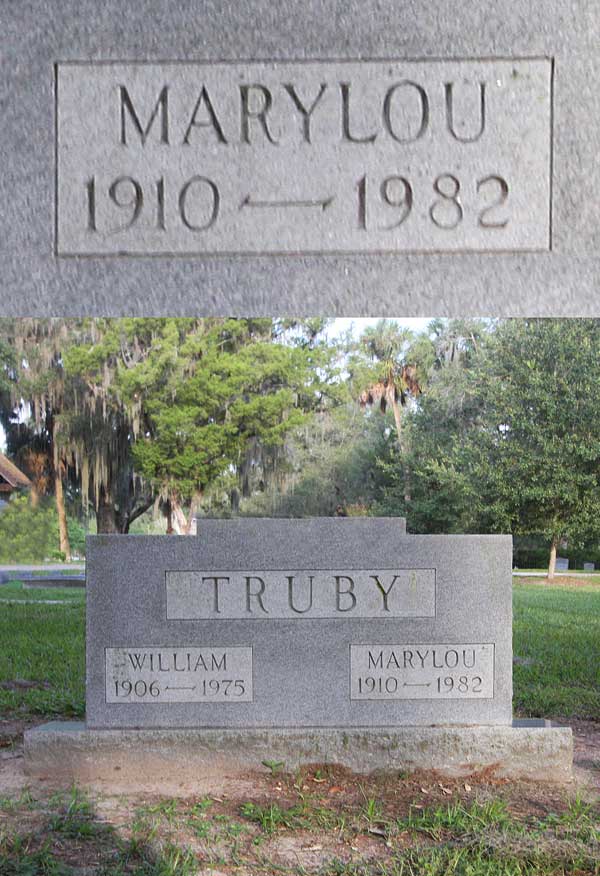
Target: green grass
[[558, 630], [70, 836], [14, 591], [457, 819], [43, 644]]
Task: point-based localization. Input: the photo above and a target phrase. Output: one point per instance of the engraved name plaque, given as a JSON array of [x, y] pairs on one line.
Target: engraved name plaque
[[421, 672], [178, 675], [303, 157], [296, 594]]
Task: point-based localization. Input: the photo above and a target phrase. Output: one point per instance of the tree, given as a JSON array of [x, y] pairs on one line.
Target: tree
[[437, 426], [72, 426], [385, 373], [542, 430], [38, 389], [234, 391], [515, 439], [329, 467]]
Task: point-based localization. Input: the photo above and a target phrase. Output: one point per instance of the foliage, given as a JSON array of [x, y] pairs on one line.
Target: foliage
[[27, 534], [232, 392], [330, 466], [441, 497], [507, 438], [538, 447]]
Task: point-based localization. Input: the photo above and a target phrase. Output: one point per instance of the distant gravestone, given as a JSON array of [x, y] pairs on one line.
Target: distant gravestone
[[340, 639], [260, 157], [589, 567], [562, 564]]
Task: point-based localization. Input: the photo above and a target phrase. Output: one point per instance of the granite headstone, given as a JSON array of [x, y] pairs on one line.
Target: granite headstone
[[307, 157], [344, 622]]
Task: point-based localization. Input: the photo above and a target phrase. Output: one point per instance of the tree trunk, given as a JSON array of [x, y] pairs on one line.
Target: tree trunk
[[107, 520], [552, 563], [169, 519], [403, 451], [63, 531]]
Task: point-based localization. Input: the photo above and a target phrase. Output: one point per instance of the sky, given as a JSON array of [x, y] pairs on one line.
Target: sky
[[339, 326]]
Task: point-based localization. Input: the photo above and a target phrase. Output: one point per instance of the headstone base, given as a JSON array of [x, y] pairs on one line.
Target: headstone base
[[533, 750]]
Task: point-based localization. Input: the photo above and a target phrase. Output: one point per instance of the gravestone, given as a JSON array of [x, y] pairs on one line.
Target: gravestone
[[562, 564], [340, 639], [589, 567], [260, 158]]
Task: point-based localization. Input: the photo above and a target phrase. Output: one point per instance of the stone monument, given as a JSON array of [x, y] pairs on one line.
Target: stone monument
[[338, 640], [381, 158]]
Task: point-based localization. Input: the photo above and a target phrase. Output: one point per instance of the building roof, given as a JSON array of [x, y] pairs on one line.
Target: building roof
[[13, 476]]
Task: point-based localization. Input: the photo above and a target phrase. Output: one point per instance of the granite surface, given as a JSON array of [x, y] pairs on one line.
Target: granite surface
[[36, 35], [451, 668], [532, 750]]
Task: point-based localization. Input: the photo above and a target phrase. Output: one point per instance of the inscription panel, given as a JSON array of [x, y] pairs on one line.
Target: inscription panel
[[422, 672], [284, 157], [178, 675], [301, 594]]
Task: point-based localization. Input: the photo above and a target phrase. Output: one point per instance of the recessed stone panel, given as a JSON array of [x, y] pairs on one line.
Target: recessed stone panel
[[323, 593], [424, 671], [283, 157], [178, 675], [423, 159]]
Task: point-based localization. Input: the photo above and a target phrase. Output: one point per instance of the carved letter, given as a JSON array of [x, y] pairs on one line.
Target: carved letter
[[210, 122], [392, 661], [306, 113], [137, 660], [175, 667], [290, 579], [449, 86], [345, 88], [423, 657], [454, 659], [260, 114], [387, 115], [466, 663], [376, 663], [408, 659], [349, 592], [219, 664], [258, 595], [162, 105], [385, 593], [215, 580]]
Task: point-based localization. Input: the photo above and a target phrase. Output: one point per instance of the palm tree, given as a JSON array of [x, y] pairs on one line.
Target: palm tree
[[388, 377]]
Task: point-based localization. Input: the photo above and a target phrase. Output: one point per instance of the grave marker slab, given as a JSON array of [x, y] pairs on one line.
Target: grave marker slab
[[261, 158], [298, 623], [303, 641]]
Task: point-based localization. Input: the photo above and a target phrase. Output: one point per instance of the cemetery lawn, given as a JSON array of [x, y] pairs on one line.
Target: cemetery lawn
[[42, 652], [556, 643]]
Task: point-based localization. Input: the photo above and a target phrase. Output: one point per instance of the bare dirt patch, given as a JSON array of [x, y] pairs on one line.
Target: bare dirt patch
[[301, 822]]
